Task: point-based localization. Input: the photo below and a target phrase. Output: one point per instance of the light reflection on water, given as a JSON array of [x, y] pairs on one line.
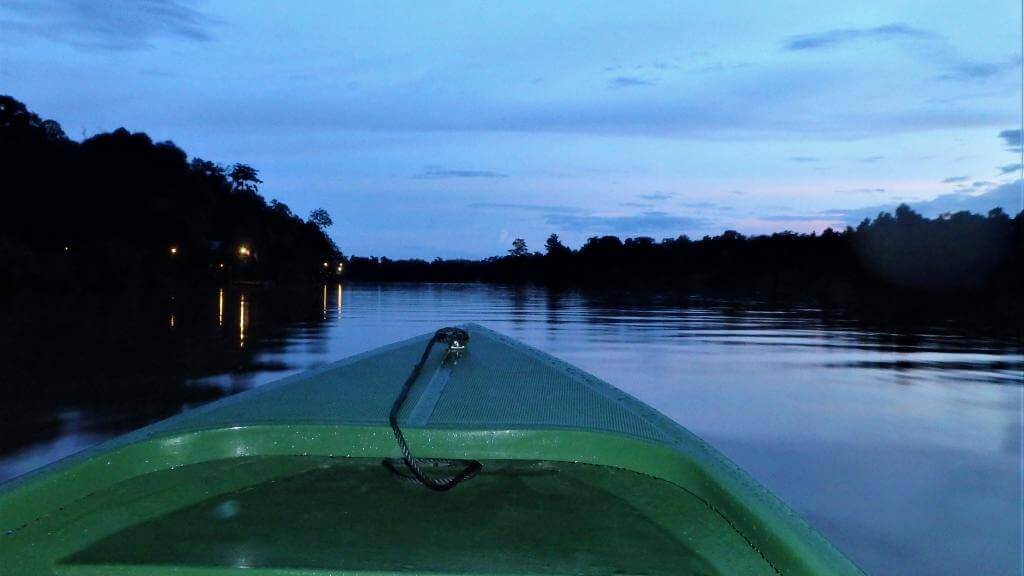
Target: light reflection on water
[[242, 323], [902, 447]]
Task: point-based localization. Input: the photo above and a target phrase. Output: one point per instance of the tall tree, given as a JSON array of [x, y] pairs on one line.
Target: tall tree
[[555, 249], [519, 248], [321, 218], [245, 178]]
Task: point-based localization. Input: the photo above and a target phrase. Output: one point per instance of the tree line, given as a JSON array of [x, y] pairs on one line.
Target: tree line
[[118, 209], [957, 262]]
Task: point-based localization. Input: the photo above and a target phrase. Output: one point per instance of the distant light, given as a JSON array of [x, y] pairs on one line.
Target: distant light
[[174, 250], [67, 248], [325, 264], [243, 250], [221, 265]]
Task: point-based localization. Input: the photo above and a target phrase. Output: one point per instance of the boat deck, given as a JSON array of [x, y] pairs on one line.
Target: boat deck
[[497, 384], [330, 515]]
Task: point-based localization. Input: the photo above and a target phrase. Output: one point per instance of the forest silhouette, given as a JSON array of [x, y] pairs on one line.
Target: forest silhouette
[[956, 264], [119, 210]]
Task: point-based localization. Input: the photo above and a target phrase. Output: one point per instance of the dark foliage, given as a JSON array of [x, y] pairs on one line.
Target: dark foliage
[[118, 210], [954, 265]]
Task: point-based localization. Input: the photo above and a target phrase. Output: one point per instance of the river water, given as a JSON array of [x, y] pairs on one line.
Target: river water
[[902, 446]]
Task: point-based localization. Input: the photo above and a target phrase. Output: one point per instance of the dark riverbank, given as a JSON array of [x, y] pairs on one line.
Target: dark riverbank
[[118, 215], [960, 267], [120, 212]]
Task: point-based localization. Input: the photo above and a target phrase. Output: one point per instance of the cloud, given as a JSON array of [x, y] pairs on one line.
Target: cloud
[[1012, 138], [862, 191], [628, 82], [638, 204], [659, 65], [703, 205], [736, 192], [765, 104], [833, 38], [975, 70], [953, 67], [437, 172], [1009, 168], [1006, 196], [954, 179], [655, 196], [116, 25], [721, 66], [871, 159], [547, 209], [637, 224], [798, 217], [804, 159], [575, 219]]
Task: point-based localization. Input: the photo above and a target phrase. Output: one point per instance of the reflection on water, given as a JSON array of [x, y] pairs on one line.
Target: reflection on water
[[324, 305], [903, 446], [242, 322]]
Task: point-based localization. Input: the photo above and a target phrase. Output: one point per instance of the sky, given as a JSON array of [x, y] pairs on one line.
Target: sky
[[450, 128]]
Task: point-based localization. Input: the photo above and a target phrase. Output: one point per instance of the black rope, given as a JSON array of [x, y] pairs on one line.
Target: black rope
[[456, 339]]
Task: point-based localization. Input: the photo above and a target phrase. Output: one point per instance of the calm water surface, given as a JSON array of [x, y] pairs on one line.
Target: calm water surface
[[903, 448]]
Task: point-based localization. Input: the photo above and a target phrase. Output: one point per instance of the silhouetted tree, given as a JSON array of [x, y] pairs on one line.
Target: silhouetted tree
[[245, 178], [107, 211], [998, 214], [321, 218], [553, 247], [519, 248], [902, 263], [281, 208], [206, 169]]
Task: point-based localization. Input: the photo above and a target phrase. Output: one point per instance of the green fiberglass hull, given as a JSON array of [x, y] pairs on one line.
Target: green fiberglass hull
[[286, 479]]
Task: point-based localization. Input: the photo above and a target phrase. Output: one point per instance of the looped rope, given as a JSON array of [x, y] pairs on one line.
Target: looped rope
[[456, 339]]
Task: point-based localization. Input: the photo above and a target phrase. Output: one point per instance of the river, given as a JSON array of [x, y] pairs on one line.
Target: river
[[902, 446]]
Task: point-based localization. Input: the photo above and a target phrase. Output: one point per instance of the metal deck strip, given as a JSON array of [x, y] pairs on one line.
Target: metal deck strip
[[424, 408]]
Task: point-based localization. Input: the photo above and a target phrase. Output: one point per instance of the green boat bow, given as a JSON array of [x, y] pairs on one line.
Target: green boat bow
[[577, 478]]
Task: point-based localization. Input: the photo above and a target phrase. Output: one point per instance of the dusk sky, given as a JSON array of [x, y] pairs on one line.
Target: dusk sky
[[448, 128]]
